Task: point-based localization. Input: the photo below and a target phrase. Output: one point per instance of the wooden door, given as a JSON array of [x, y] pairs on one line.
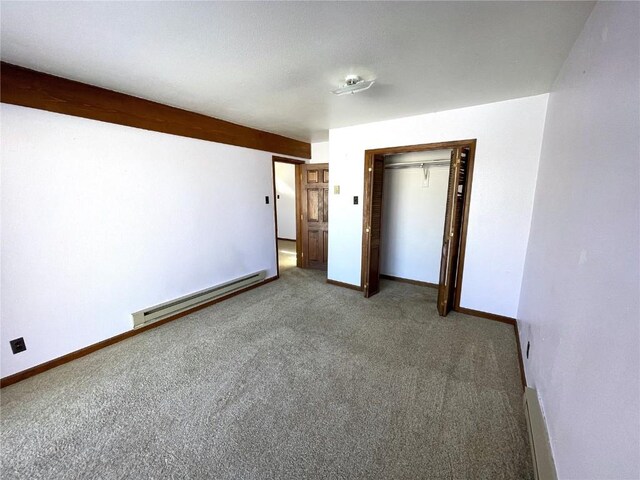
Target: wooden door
[[452, 226], [374, 176], [314, 199]]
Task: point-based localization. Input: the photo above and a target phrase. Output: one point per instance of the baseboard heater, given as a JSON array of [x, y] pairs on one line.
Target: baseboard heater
[[543, 466], [182, 304]]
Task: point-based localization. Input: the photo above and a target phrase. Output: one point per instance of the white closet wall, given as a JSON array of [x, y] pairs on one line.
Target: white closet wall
[[413, 218]]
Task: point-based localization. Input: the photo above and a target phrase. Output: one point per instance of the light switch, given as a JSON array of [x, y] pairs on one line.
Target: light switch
[[336, 189]]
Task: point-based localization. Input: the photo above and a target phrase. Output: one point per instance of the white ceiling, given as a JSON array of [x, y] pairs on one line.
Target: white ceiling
[[271, 65]]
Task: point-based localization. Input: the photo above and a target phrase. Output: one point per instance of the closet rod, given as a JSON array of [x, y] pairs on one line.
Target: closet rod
[[423, 163]]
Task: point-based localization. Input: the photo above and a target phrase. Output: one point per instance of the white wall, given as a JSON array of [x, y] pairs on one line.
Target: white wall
[[579, 303], [509, 137], [413, 211], [286, 204], [101, 220], [319, 152]]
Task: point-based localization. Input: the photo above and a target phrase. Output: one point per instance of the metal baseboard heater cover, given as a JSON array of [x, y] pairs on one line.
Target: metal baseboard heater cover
[[192, 300], [543, 466]]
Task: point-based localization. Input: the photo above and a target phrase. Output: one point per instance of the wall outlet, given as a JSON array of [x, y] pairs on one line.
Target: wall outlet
[[18, 345]]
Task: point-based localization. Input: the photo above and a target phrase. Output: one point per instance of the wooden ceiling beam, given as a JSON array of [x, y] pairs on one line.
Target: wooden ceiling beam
[[29, 88]]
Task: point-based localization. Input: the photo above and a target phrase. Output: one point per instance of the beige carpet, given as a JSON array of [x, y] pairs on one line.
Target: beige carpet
[[296, 379]]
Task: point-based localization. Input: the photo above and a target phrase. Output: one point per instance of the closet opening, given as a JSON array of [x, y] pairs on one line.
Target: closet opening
[[415, 214]]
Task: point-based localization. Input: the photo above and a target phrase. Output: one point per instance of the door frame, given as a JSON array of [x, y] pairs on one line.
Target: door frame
[[366, 208], [296, 163]]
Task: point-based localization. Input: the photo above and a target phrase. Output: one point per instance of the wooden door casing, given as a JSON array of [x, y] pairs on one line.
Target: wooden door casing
[[314, 203], [453, 251], [296, 163]]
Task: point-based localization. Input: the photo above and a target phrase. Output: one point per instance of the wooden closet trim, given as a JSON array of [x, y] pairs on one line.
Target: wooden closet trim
[[29, 88], [468, 143]]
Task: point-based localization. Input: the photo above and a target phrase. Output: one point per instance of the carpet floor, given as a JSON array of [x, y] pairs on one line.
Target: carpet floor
[[296, 379]]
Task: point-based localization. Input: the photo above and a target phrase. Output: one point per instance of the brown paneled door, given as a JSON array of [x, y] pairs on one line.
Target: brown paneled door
[[452, 226], [314, 201], [374, 176]]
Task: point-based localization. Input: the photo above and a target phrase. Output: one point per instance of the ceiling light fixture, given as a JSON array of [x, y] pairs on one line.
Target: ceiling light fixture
[[353, 84]]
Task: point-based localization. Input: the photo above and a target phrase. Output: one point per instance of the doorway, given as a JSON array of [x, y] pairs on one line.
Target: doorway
[[301, 213], [456, 214], [285, 210]]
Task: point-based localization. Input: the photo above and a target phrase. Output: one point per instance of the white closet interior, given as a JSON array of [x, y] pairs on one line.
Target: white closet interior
[[413, 210]]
